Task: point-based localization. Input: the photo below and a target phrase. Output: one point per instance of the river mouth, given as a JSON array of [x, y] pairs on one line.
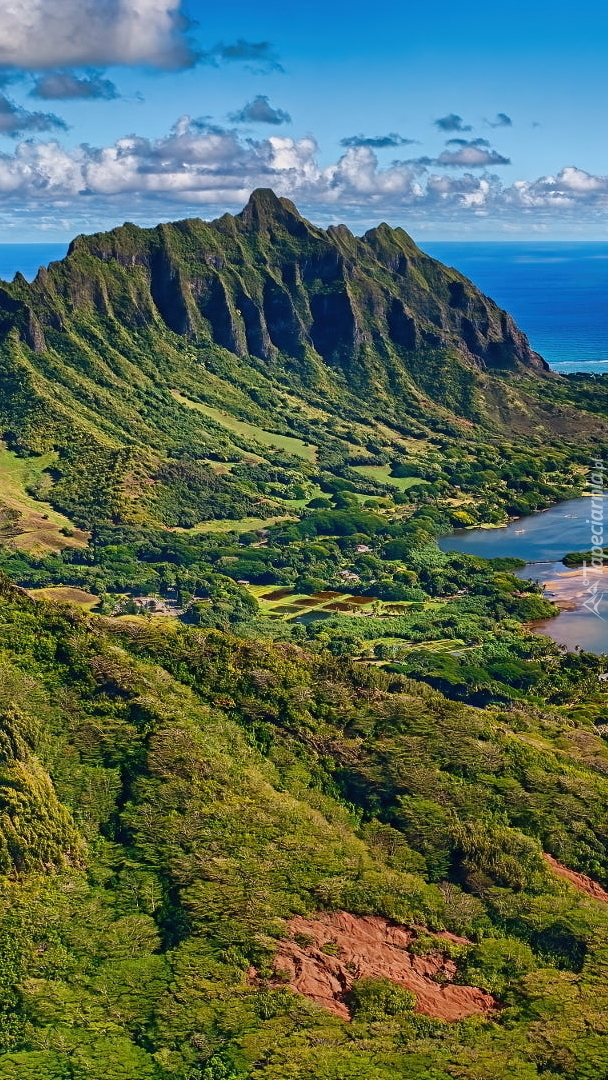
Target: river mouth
[[542, 540]]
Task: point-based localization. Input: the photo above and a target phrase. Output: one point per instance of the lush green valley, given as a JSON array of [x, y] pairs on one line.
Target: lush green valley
[[247, 699]]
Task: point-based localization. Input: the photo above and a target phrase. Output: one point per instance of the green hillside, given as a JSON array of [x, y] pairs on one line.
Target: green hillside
[[286, 791], [171, 798]]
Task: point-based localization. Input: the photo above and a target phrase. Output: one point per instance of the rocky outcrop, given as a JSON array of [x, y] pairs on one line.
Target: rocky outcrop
[[15, 315], [325, 955]]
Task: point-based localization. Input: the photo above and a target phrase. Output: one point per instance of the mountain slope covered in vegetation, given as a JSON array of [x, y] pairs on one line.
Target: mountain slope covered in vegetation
[[286, 791], [173, 801], [134, 359]]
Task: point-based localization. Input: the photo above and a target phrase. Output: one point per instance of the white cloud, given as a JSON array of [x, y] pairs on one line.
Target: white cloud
[[44, 34], [356, 177], [39, 171], [572, 187], [476, 154], [202, 169]]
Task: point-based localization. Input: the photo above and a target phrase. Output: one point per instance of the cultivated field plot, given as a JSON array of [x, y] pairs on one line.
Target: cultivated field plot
[[439, 645], [284, 602]]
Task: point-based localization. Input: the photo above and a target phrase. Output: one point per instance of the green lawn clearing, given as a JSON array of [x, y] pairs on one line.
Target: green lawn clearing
[[250, 431], [39, 526], [382, 474]]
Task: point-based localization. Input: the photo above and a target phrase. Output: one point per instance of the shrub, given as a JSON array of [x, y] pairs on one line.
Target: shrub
[[376, 999]]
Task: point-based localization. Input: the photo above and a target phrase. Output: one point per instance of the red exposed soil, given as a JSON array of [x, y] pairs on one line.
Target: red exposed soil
[[580, 881], [372, 947], [327, 595]]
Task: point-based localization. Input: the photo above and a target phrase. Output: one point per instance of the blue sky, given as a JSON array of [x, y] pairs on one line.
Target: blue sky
[[453, 120]]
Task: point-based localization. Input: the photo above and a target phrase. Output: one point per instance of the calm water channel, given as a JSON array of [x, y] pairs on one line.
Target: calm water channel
[[542, 540]]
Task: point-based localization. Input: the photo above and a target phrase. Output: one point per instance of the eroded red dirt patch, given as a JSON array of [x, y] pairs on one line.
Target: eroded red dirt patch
[[371, 947], [580, 881]]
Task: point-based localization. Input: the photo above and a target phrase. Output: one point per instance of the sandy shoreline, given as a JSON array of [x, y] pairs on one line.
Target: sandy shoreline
[[582, 598], [573, 585], [572, 590]]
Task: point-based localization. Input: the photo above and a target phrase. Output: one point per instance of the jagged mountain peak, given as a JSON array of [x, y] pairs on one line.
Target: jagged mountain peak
[[265, 209], [323, 311], [269, 285], [392, 245]]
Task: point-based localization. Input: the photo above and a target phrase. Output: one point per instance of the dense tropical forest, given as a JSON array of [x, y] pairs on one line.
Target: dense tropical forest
[[287, 791]]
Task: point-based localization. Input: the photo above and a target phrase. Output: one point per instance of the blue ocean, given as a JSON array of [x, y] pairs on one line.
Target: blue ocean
[[28, 258], [556, 291]]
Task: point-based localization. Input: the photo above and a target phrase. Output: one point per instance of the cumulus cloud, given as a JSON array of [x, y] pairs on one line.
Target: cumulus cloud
[[259, 56], [476, 154], [469, 154], [64, 85], [15, 121], [199, 168], [501, 121], [38, 35], [570, 188], [197, 164], [452, 122], [377, 142], [260, 111]]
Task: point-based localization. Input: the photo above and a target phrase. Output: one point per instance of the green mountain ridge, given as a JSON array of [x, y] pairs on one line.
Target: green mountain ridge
[[270, 317]]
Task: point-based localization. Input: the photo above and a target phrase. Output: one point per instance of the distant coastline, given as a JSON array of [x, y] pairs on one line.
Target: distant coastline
[[555, 290]]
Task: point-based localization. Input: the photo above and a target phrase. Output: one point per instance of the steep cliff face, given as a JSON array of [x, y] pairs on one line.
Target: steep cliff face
[[243, 311], [17, 317], [268, 284]]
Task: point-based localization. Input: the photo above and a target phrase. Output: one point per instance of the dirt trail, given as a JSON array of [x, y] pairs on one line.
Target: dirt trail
[[369, 946], [580, 881]]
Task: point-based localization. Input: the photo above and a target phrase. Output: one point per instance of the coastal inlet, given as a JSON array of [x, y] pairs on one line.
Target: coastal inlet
[[543, 539]]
